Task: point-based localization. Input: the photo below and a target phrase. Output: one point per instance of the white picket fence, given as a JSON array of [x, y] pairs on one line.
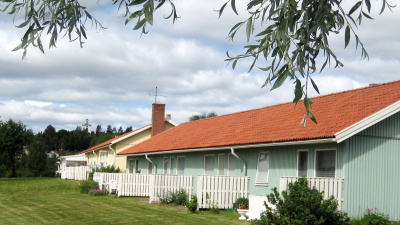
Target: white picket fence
[[162, 184], [145, 185], [133, 184], [221, 191], [75, 173], [330, 186]]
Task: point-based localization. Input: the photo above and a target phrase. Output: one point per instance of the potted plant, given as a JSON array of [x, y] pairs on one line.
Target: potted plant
[[242, 207]]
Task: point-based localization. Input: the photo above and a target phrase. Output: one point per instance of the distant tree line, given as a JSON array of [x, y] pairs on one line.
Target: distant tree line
[[202, 115], [25, 154]]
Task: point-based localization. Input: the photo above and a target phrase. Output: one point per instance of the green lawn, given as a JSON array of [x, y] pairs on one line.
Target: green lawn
[[56, 201]]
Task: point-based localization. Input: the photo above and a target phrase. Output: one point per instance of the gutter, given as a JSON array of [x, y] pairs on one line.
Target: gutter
[[244, 162], [115, 154], [148, 159], [318, 141]]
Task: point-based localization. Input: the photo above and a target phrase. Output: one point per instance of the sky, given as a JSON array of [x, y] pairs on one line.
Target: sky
[[111, 79]]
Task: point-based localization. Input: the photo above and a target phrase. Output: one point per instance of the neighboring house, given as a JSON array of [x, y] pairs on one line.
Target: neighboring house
[[357, 139], [71, 161], [104, 153]]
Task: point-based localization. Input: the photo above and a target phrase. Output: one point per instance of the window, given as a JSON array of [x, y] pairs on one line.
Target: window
[[104, 157], [149, 168], [302, 160], [209, 164], [131, 166], [137, 166], [172, 166], [221, 165], [262, 168], [180, 168], [325, 163], [165, 165], [231, 165]]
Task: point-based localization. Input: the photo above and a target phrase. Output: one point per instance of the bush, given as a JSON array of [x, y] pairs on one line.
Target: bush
[[86, 186], [374, 217], [242, 202], [179, 197], [192, 204], [301, 205]]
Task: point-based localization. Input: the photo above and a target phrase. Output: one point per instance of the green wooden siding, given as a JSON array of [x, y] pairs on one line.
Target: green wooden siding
[[283, 162], [372, 170]]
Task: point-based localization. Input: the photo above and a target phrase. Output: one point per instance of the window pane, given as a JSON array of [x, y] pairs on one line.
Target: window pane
[[302, 163], [149, 168], [221, 165], [172, 166], [181, 165], [263, 167], [325, 163], [231, 165], [165, 166], [209, 165], [136, 165], [130, 166]]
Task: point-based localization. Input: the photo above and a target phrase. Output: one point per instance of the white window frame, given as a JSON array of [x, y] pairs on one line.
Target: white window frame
[[131, 162], [136, 165], [172, 167], [223, 166], [298, 157], [177, 164], [204, 162], [229, 173], [262, 183], [315, 160], [165, 165], [103, 160]]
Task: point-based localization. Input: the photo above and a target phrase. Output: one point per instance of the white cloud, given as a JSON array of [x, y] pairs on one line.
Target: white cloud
[[110, 79]]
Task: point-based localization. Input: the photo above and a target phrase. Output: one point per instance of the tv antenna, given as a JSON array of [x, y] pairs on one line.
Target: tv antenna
[[155, 96]]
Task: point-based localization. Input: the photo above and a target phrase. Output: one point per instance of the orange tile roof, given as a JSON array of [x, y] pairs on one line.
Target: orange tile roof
[[109, 141], [278, 123]]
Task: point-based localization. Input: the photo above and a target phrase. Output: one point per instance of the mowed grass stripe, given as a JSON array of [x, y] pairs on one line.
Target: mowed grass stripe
[[56, 201]]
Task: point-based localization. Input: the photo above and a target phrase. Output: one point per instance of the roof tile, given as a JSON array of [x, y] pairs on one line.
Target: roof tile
[[277, 123]]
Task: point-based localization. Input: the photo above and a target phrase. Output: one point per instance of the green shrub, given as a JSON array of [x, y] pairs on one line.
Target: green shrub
[[242, 202], [192, 204], [165, 198], [86, 186], [374, 217], [301, 205], [179, 197]]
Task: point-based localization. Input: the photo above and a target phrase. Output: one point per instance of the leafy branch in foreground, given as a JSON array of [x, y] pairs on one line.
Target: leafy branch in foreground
[[296, 34]]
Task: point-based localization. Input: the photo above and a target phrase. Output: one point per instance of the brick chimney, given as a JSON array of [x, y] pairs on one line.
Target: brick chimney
[[157, 118]]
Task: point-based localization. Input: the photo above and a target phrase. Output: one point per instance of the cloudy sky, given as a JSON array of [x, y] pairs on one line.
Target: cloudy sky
[[110, 79]]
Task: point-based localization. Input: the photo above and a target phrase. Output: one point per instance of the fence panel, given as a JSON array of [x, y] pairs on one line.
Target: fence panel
[[161, 184], [330, 186], [75, 173], [221, 191], [133, 184]]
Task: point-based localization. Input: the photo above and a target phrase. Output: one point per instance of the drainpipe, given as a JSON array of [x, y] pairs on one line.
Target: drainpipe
[[148, 159], [95, 166], [115, 155], [244, 163]]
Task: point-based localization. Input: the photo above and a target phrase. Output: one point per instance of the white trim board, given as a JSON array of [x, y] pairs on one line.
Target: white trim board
[[367, 122]]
